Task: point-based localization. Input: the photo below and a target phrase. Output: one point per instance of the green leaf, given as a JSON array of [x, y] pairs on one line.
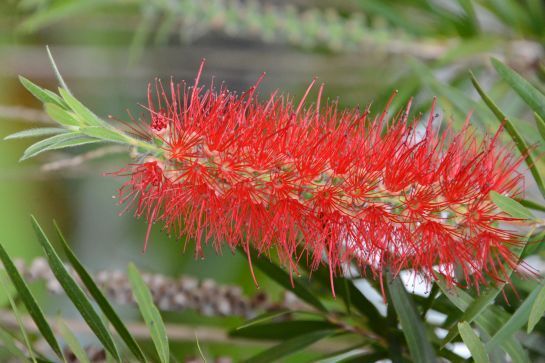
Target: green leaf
[[474, 344], [473, 310], [101, 300], [75, 293], [350, 294], [512, 131], [57, 11], [78, 141], [515, 322], [56, 70], [61, 115], [538, 309], [4, 285], [30, 302], [36, 132], [8, 342], [413, 328], [263, 318], [72, 342], [282, 278], [104, 134], [540, 123], [532, 204], [86, 116], [150, 313], [43, 145], [531, 95], [490, 319], [289, 347], [44, 95], [511, 206], [281, 330]]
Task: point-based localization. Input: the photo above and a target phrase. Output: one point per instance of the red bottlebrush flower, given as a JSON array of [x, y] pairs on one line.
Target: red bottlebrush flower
[[342, 185]]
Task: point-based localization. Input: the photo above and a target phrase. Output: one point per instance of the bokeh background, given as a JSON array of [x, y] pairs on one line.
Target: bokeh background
[[109, 50]]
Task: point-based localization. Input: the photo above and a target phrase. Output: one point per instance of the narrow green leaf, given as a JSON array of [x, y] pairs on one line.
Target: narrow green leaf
[[531, 204], [56, 70], [30, 302], [511, 206], [101, 300], [41, 94], [75, 293], [289, 347], [413, 328], [4, 285], [473, 343], [350, 294], [473, 310], [282, 278], [150, 313], [282, 330], [538, 309], [263, 318], [42, 131], [199, 348], [42, 145], [72, 342], [490, 320], [531, 95], [56, 11], [540, 123], [85, 115], [62, 116], [104, 134], [8, 342], [515, 321], [512, 131], [78, 141]]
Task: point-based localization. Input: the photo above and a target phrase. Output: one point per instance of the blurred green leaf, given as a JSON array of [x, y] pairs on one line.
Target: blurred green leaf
[[510, 206], [4, 285], [150, 313], [8, 342], [42, 131], [101, 300], [512, 131], [532, 204], [75, 293], [413, 328], [289, 347], [531, 95], [56, 12], [473, 343], [72, 342], [538, 309], [540, 123], [281, 330], [30, 302], [283, 278]]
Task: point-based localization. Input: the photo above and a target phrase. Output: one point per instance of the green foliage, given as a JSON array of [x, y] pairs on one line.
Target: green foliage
[[396, 27], [150, 313]]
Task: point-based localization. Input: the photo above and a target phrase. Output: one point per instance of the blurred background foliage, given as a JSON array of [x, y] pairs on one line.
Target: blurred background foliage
[[364, 50]]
